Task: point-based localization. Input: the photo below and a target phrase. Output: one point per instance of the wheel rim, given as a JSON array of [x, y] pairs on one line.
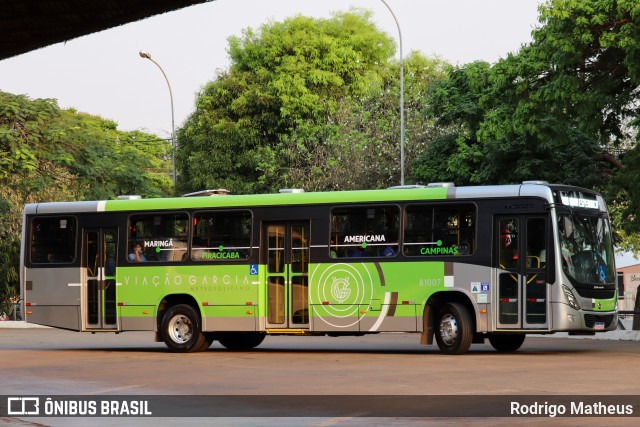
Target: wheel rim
[[180, 329], [449, 329]]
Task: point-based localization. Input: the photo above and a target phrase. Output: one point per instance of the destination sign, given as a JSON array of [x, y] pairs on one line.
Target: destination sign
[[579, 202]]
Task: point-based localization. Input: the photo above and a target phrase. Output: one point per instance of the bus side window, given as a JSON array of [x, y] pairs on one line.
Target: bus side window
[[439, 230], [162, 237], [364, 231], [221, 236]]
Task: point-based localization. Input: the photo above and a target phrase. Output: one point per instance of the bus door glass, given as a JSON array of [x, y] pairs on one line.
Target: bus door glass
[[287, 259], [100, 288], [522, 297]]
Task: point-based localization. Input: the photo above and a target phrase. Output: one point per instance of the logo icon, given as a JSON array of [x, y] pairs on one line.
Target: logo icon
[[340, 289], [23, 406]]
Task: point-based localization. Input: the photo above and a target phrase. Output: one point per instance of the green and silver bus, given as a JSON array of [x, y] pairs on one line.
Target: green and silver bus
[[458, 264]]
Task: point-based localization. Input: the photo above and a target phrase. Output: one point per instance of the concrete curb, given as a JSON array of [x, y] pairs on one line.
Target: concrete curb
[[611, 335], [11, 324]]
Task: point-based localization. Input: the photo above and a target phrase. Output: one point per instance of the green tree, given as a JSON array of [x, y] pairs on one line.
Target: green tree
[[360, 146], [49, 154], [556, 110], [270, 115], [456, 104]]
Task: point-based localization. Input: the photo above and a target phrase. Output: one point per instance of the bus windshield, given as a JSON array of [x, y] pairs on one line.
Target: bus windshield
[[587, 248]]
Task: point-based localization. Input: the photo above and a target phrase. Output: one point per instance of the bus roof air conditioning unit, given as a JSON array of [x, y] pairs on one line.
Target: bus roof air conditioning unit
[[406, 187], [216, 192], [441, 185]]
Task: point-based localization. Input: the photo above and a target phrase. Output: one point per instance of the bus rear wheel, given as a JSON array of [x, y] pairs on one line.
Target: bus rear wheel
[[506, 343], [454, 329], [181, 330], [240, 341]]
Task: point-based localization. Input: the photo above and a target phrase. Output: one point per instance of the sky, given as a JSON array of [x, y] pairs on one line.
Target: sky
[[102, 73]]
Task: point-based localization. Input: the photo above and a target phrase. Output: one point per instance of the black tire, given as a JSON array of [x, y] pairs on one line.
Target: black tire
[[181, 330], [209, 337], [454, 329], [240, 341], [506, 343]]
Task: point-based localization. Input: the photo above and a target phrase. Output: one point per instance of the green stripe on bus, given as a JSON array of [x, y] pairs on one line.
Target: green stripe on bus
[[370, 196]]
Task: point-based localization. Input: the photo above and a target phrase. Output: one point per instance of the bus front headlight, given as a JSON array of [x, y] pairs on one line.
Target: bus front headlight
[[571, 299]]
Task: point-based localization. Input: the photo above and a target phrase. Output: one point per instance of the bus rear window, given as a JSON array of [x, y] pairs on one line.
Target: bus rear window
[[53, 240]]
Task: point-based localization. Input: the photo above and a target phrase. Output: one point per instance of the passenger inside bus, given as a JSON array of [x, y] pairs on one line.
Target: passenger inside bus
[[110, 265], [136, 254], [359, 252], [391, 249]]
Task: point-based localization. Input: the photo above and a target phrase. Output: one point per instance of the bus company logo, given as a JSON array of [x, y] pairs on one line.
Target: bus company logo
[[341, 292], [519, 206], [23, 406], [340, 289]]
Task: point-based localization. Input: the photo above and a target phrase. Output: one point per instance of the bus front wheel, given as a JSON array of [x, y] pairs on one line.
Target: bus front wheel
[[181, 330], [506, 343], [454, 329]]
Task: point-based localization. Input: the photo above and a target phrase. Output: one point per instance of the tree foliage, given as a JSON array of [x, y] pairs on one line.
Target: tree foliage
[[557, 110], [306, 103], [49, 154]]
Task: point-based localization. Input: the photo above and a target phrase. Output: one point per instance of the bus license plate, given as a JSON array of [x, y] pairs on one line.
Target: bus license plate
[[599, 326]]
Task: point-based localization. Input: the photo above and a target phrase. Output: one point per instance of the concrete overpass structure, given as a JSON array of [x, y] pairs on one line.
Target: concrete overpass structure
[[27, 25]]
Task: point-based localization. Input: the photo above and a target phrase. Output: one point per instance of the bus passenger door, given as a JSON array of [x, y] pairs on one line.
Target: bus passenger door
[[287, 259], [522, 297], [99, 259]]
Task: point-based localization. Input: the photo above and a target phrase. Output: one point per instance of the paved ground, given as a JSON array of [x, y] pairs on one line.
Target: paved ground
[[627, 334], [54, 362]]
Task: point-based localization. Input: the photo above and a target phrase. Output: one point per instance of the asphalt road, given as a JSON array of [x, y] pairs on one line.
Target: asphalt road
[[56, 362]]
